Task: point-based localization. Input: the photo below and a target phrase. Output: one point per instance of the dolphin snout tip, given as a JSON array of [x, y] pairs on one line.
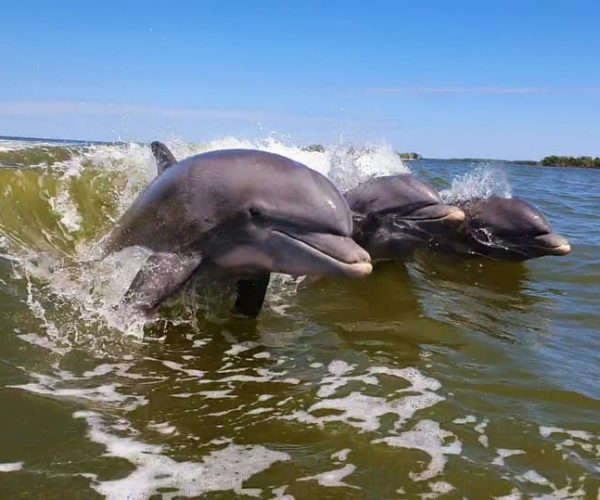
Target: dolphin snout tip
[[359, 269], [555, 244], [361, 264], [560, 245], [362, 256], [564, 249]]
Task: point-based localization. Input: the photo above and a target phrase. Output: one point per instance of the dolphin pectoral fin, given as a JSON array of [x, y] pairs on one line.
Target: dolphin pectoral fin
[[163, 156], [251, 294], [162, 275]]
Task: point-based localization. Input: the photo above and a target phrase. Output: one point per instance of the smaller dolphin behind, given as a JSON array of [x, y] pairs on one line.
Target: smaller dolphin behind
[[508, 229], [244, 212], [397, 214]]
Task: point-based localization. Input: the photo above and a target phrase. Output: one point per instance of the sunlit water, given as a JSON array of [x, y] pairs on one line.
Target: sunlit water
[[441, 377]]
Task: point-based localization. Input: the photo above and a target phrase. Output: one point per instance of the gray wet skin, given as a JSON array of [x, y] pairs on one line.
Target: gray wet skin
[[246, 211], [505, 229], [395, 215]]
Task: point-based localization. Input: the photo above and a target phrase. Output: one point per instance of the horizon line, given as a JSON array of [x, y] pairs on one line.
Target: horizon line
[[125, 143], [479, 90]]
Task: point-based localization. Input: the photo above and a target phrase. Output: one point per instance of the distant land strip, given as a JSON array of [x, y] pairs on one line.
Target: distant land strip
[[548, 161]]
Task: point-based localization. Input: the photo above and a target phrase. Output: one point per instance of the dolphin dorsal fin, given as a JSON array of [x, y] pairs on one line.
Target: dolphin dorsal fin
[[163, 156]]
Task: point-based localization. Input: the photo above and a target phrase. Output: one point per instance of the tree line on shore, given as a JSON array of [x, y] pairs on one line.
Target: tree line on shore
[[571, 161], [548, 161]]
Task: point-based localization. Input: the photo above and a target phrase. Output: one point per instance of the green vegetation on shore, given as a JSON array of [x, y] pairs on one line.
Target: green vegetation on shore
[[571, 161], [410, 156]]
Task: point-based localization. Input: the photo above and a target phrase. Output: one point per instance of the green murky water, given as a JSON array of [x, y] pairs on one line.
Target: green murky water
[[441, 377]]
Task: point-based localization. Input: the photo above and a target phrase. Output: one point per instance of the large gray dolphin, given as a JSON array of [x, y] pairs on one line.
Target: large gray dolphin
[[246, 211], [396, 214], [504, 229]]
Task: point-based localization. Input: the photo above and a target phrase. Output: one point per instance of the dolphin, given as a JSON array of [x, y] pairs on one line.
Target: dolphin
[[246, 212], [394, 215], [510, 229]]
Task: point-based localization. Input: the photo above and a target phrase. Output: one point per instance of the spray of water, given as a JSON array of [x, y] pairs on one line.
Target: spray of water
[[75, 201], [482, 182]]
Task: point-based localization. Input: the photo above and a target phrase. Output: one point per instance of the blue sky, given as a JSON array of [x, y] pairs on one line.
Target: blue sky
[[502, 78]]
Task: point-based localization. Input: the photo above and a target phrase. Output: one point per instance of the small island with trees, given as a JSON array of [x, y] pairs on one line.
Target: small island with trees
[[571, 161], [410, 156]]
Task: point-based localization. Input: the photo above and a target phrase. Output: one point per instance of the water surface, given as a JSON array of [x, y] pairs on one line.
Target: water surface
[[441, 377]]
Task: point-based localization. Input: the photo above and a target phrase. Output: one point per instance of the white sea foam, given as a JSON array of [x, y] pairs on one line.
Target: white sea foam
[[549, 430], [534, 477], [222, 470], [180, 368], [11, 467], [333, 478], [438, 488], [480, 428], [279, 493], [469, 419], [363, 411], [576, 441], [567, 492], [63, 205], [505, 453], [427, 436], [105, 393], [163, 428], [514, 494], [241, 347], [341, 455]]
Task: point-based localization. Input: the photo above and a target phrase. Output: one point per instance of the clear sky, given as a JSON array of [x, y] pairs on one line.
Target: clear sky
[[487, 78]]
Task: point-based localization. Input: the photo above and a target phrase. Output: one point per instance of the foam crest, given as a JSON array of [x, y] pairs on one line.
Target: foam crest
[[344, 164], [481, 182]]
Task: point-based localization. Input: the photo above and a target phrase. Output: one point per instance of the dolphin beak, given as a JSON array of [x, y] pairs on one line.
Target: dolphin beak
[[553, 244], [338, 255]]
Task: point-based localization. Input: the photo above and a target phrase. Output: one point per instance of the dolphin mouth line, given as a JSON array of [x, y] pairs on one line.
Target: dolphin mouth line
[[351, 269], [523, 247], [559, 249], [452, 214], [455, 216]]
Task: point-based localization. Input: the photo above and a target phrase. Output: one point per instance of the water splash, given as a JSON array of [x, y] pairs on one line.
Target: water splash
[[53, 216], [482, 182]]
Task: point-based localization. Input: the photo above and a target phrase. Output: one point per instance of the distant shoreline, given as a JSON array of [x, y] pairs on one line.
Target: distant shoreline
[[57, 141], [548, 161]]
